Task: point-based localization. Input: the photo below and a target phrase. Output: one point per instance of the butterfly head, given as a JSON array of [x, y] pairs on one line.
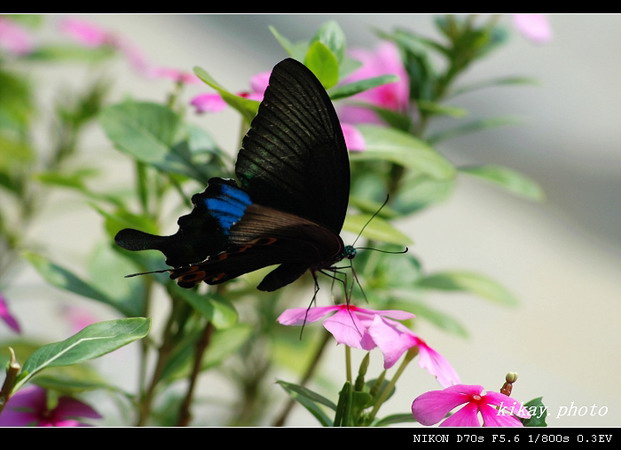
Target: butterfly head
[[349, 252]]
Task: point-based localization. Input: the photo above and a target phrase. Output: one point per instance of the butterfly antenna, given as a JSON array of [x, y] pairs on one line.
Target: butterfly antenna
[[370, 219], [396, 252], [146, 273]]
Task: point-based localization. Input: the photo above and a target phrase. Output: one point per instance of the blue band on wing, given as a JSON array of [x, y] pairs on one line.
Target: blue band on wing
[[228, 206]]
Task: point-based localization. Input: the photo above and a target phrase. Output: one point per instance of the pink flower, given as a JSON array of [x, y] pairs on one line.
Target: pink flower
[[366, 329], [496, 409], [534, 27], [393, 339], [208, 103], [213, 103], [91, 35], [385, 60], [7, 317], [29, 407], [78, 318], [172, 74], [353, 138], [13, 38], [87, 33]]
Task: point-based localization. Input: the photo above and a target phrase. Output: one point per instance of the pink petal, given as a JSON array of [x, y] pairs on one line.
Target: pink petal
[[134, 56], [84, 32], [348, 329], [534, 27], [299, 316], [385, 60], [78, 317], [465, 417], [436, 364], [14, 38], [492, 417], [507, 403], [392, 313], [258, 84], [353, 138], [431, 407], [172, 74], [208, 103], [24, 407], [69, 408], [7, 317], [392, 338]]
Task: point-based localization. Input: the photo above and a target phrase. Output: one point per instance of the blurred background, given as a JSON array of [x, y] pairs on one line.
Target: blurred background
[[561, 257]]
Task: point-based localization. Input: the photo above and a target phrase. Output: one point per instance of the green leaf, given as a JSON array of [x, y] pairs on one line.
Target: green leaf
[[509, 179], [343, 415], [146, 131], [215, 308], [91, 342], [474, 283], [246, 107], [394, 419], [197, 156], [16, 101], [74, 180], [64, 279], [107, 268], [295, 50], [383, 271], [356, 87], [471, 127], [121, 218], [73, 379], [309, 400], [223, 344], [538, 412], [394, 119], [429, 108], [401, 148], [14, 153], [323, 63], [377, 229], [70, 52], [504, 81], [331, 35], [305, 392], [420, 191]]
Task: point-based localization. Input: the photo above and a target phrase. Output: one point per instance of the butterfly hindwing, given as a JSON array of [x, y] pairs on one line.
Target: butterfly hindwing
[[201, 233], [263, 238]]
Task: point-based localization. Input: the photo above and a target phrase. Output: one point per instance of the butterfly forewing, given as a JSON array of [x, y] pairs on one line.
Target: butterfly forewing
[[294, 158]]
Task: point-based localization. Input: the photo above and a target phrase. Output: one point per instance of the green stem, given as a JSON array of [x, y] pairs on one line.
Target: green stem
[[185, 414], [144, 344], [409, 356], [348, 363], [12, 372], [164, 352]]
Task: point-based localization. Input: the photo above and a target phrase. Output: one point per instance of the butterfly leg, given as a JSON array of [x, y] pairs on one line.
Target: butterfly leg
[[343, 281]]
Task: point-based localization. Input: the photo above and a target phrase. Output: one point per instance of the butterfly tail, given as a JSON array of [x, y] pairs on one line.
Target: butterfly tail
[[135, 240]]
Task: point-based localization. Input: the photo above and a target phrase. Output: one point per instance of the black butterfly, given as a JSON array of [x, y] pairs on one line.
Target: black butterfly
[[289, 206]]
